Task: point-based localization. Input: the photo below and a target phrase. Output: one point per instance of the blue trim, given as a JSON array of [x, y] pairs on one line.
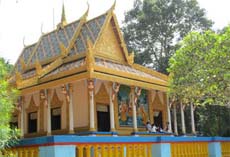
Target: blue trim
[[115, 139], [151, 133], [97, 133]]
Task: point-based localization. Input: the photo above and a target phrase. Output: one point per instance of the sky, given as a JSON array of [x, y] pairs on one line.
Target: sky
[[22, 22]]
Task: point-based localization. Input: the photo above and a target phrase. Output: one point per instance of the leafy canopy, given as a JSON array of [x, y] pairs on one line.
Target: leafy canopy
[[200, 69], [7, 98], [153, 28]]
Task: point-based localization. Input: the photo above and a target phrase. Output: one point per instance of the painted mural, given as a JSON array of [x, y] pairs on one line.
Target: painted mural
[[125, 107], [142, 108]]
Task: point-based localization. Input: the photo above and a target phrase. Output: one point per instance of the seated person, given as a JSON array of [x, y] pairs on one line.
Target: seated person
[[148, 126], [154, 128]]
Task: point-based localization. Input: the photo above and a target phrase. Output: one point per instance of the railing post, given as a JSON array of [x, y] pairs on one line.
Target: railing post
[[161, 150], [214, 149], [57, 151]]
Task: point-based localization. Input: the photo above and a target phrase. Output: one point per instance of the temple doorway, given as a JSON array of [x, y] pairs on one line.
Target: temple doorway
[[158, 119], [103, 118]]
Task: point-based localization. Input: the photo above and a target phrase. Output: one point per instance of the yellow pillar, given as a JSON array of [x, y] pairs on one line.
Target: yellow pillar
[[95, 150], [88, 151], [80, 151], [103, 153], [122, 150], [149, 150]]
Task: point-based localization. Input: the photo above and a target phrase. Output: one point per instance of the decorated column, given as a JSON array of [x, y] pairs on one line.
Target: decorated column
[[67, 90], [22, 108], [71, 119], [91, 105], [42, 104], [182, 118], [114, 88], [132, 98], [48, 99]]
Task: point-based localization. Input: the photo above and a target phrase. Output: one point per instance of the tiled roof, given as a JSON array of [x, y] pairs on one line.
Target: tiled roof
[[29, 74], [123, 68], [48, 45], [66, 67], [90, 30], [25, 56]]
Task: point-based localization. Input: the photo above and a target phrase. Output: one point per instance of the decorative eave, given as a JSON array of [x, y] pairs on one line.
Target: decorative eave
[[128, 81], [151, 72], [109, 71]]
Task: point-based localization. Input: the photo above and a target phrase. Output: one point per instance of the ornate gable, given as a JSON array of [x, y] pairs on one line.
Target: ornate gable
[[108, 45]]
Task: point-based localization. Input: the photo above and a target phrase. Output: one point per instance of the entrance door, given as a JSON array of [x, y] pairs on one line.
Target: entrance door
[[158, 119], [103, 118]]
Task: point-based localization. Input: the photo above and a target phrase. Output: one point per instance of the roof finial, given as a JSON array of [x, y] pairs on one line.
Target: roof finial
[[112, 7], [87, 7], [63, 18], [42, 28], [84, 16]]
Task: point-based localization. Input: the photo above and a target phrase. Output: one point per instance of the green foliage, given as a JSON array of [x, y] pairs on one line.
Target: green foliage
[[153, 28], [213, 120], [200, 68], [7, 99]]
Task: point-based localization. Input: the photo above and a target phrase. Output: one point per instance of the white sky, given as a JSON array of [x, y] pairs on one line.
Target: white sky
[[23, 18]]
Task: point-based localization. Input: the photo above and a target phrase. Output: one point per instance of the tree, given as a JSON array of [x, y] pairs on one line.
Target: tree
[[7, 98], [200, 69], [153, 28]]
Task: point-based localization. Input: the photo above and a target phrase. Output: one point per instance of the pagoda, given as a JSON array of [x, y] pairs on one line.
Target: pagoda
[[81, 79]]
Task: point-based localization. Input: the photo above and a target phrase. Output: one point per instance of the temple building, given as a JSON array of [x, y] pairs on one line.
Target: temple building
[[81, 79]]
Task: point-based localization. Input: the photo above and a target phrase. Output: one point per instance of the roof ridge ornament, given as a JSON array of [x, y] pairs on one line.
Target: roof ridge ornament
[[23, 40], [89, 56], [130, 58], [38, 67], [63, 18], [112, 7], [85, 15], [42, 28]]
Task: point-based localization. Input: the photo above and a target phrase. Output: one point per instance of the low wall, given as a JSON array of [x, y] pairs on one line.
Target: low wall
[[121, 146]]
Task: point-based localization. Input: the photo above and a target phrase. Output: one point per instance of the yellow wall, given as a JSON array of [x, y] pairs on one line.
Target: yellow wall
[[80, 104]]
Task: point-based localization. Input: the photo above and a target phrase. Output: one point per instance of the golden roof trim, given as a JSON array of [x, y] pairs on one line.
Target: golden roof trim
[[150, 71]]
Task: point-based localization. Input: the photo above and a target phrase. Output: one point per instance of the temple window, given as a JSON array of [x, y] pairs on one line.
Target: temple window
[[32, 122], [32, 116], [56, 112], [56, 118]]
